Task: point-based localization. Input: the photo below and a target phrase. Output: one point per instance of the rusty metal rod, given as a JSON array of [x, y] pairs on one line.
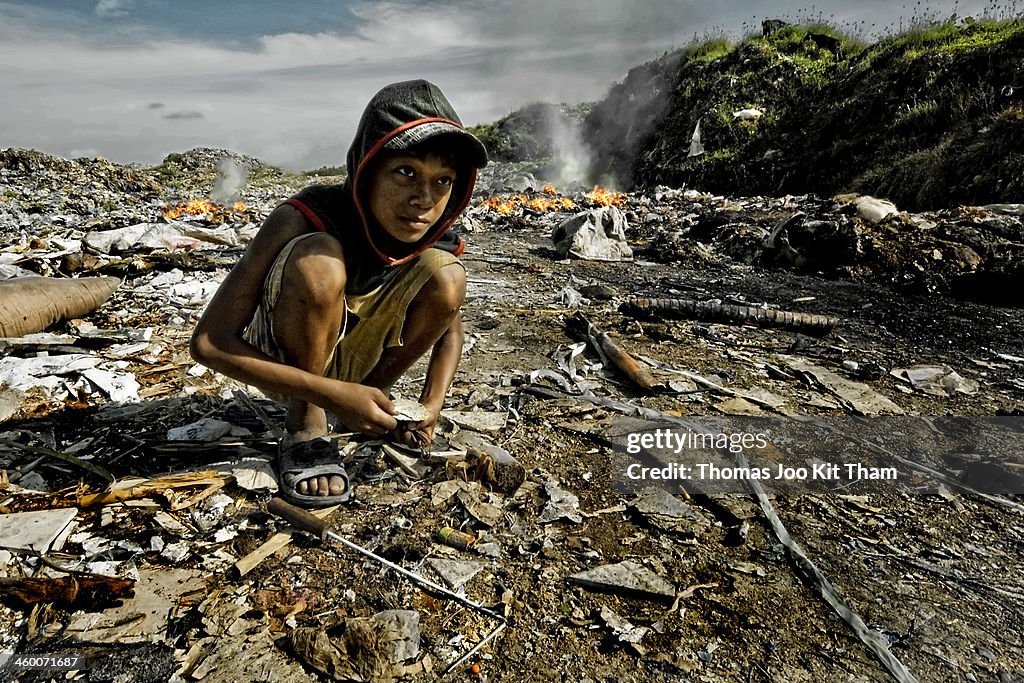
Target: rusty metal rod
[[302, 519], [811, 323]]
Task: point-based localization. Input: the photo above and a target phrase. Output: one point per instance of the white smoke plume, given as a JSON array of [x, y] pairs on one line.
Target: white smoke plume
[[571, 154], [231, 178]]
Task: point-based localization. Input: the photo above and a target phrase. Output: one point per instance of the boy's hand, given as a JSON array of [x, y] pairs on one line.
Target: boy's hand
[[420, 434], [361, 408]]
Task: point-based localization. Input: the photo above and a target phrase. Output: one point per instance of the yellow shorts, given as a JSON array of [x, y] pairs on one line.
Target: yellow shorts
[[378, 315]]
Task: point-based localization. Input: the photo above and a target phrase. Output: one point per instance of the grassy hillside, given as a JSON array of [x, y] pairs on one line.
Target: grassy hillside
[[931, 118]]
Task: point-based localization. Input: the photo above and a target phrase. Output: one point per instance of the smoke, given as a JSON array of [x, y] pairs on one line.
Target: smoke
[[231, 177], [571, 154]]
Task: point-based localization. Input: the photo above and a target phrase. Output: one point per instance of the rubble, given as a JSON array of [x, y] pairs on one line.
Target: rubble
[[160, 471]]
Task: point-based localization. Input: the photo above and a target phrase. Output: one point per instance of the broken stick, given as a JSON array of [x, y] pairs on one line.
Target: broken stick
[[169, 487], [271, 546], [641, 376], [79, 591]]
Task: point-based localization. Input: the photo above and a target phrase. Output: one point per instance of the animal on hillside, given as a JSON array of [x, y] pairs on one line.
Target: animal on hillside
[[826, 42], [770, 26]]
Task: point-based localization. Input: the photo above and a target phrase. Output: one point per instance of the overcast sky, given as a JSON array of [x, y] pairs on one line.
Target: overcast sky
[[286, 80]]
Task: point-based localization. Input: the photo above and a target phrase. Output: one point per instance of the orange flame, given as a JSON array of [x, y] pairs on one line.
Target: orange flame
[[197, 207], [603, 197], [512, 203]]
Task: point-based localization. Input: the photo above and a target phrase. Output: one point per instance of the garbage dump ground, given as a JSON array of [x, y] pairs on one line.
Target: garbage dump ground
[[134, 522]]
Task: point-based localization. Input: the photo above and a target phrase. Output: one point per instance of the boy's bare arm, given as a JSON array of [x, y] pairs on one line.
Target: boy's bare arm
[[444, 361]]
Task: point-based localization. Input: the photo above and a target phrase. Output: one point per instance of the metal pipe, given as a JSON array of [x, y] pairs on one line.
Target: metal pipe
[[304, 520]]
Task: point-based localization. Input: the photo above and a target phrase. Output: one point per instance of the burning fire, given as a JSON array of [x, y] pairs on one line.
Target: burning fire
[[510, 204], [603, 197], [550, 201], [197, 207]]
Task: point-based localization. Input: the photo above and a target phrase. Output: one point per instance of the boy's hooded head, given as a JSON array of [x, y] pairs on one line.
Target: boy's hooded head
[[414, 117]]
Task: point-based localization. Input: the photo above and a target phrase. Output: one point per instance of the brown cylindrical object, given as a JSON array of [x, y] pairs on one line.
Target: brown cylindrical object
[[639, 375], [297, 517], [492, 463], [31, 304], [455, 538], [811, 323]]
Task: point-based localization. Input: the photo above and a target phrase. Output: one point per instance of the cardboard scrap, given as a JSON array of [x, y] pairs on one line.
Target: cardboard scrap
[[143, 618], [38, 531], [626, 578], [861, 398], [455, 573]]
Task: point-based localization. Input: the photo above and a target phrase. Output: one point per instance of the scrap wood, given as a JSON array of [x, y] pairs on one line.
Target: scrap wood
[[169, 487], [89, 591], [411, 465], [810, 323], [603, 344], [271, 546]]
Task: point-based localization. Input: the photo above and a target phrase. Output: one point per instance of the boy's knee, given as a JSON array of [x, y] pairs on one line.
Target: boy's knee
[[316, 271], [445, 291]]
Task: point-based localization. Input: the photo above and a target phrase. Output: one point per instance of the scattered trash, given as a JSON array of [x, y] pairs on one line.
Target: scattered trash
[[628, 579], [490, 463], [598, 235], [360, 648], [477, 421], [455, 573], [220, 584], [622, 629], [696, 148], [750, 114], [78, 592], [664, 511], [37, 531], [561, 505], [580, 327], [455, 538], [874, 210], [936, 380]]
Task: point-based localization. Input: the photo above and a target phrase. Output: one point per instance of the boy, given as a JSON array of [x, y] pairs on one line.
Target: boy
[[345, 286]]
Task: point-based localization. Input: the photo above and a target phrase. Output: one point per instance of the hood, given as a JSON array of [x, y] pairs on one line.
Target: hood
[[398, 116]]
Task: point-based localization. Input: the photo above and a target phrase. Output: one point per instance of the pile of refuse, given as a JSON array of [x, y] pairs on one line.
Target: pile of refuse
[[142, 541]]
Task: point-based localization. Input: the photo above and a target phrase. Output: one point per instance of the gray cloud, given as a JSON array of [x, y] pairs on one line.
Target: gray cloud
[[112, 8], [180, 115]]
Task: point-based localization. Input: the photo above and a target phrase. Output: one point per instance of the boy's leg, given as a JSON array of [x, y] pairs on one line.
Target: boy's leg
[[427, 318], [306, 329]]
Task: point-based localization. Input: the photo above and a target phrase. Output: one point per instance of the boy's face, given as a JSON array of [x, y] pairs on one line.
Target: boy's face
[[408, 193]]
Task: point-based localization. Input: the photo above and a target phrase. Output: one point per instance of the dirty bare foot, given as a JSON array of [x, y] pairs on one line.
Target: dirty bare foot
[[313, 486]]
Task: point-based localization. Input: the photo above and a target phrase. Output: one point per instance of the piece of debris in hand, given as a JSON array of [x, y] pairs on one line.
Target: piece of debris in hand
[[408, 410]]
